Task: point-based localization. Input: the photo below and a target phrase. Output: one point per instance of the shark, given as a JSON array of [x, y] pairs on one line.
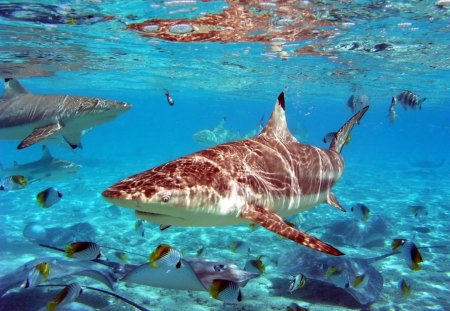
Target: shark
[[32, 118], [47, 167], [259, 180]]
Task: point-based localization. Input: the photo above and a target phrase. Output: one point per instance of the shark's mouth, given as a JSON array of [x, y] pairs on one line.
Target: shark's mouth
[[158, 217]]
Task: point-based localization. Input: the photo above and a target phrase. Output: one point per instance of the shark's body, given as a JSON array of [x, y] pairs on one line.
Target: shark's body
[[260, 180], [32, 118], [47, 167]]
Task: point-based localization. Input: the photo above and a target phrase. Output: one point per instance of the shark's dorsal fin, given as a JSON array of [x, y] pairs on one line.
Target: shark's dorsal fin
[[14, 88], [277, 125], [46, 153]]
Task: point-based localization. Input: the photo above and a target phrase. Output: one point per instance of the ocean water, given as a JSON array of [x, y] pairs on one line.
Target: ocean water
[[233, 68]]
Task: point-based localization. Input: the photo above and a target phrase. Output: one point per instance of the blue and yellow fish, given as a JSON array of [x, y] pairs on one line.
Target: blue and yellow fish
[[83, 250], [15, 182], [165, 256], [69, 294], [48, 197]]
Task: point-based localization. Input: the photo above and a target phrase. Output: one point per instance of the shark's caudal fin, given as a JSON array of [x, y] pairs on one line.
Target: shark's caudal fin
[[277, 125], [275, 223], [341, 136], [13, 88]]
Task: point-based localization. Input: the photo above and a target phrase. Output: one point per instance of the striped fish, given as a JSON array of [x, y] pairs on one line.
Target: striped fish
[[226, 291], [83, 251], [409, 99], [165, 256], [69, 294], [14, 182]]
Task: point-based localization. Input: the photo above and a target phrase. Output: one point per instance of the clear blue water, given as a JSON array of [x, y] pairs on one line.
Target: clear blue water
[[239, 81]]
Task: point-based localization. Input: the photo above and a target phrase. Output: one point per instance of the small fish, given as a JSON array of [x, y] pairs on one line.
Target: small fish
[[355, 103], [235, 245], [418, 210], [83, 251], [405, 288], [358, 280], [295, 307], [200, 251], [226, 291], [332, 271], [255, 266], [38, 274], [392, 113], [139, 226], [165, 256], [48, 197], [297, 282], [409, 99], [15, 182], [361, 211], [412, 255], [169, 98], [122, 256], [330, 136], [69, 294]]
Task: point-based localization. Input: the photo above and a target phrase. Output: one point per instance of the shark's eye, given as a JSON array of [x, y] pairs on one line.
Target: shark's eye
[[165, 198]]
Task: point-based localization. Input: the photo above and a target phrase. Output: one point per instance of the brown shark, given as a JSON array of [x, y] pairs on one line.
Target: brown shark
[[256, 180]]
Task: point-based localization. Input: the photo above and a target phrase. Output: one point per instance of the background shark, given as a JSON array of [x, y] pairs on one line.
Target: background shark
[[32, 118], [256, 180], [47, 167]]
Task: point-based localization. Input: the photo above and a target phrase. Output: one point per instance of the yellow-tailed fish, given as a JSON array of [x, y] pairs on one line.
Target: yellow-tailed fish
[[48, 197], [165, 256], [396, 243], [140, 227], [332, 271], [38, 274], [361, 211], [405, 288], [295, 307], [122, 256], [15, 182], [412, 255], [255, 266], [69, 294], [226, 291], [297, 282], [358, 280], [83, 250]]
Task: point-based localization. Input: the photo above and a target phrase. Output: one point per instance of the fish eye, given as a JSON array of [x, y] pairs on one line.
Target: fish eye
[[165, 198]]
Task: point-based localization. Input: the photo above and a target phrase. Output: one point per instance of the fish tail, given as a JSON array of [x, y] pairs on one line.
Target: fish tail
[[341, 136]]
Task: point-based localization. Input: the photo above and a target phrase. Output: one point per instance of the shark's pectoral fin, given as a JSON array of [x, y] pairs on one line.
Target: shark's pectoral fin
[[331, 199], [275, 223], [163, 227], [39, 134], [73, 139]]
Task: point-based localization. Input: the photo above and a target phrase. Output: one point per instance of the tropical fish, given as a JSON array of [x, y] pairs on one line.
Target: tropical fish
[[235, 245], [83, 251], [122, 256], [260, 180], [169, 98], [47, 167], [255, 266], [69, 294], [411, 255], [295, 307], [226, 291], [37, 274], [200, 251], [392, 113], [355, 103], [165, 256], [405, 288], [32, 118], [409, 99], [139, 226], [48, 197], [396, 243], [297, 282], [15, 182], [358, 280], [418, 210], [361, 211]]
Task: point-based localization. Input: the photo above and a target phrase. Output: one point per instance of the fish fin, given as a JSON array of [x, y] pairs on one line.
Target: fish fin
[[277, 125], [39, 134], [331, 199], [341, 136], [164, 227], [73, 139], [13, 88], [46, 153], [275, 223]]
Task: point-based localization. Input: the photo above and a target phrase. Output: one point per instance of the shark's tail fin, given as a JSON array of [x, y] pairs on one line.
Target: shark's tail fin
[[341, 136]]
